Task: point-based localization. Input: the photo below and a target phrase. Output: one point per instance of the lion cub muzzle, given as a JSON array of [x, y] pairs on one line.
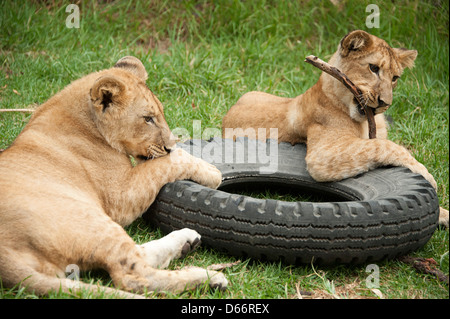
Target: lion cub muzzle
[[155, 151]]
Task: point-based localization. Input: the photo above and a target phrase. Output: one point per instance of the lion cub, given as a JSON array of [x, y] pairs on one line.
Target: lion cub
[[327, 118], [67, 187]]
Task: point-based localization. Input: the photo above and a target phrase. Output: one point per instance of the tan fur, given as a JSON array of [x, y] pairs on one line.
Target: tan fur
[[326, 116], [67, 187]]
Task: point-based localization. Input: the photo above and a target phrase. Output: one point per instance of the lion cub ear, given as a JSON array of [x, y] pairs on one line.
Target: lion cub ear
[[133, 65], [405, 57], [106, 92], [357, 40]]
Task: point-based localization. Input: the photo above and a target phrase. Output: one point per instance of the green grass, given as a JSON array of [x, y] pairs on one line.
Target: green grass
[[201, 57]]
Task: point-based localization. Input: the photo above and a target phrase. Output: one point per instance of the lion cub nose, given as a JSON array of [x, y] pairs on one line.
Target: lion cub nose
[[381, 103], [169, 149]]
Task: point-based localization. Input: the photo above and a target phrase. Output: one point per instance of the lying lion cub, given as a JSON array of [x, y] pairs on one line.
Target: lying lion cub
[[327, 118], [67, 187]]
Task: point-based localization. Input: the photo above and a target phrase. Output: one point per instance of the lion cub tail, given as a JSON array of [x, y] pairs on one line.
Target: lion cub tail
[[13, 275], [42, 284]]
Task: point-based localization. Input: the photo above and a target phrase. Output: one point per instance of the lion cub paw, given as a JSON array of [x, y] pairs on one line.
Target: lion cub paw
[[421, 169], [187, 240], [197, 169], [431, 179], [208, 175], [443, 217], [217, 280]]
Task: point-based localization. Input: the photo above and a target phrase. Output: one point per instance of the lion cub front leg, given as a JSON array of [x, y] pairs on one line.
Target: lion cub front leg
[[179, 165], [159, 253], [195, 168], [141, 184], [331, 159]]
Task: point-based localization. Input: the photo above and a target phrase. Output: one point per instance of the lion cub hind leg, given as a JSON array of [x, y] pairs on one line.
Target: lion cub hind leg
[[159, 253], [177, 281], [133, 267], [135, 275]]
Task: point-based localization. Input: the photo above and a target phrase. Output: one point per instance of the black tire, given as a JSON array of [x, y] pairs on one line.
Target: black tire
[[382, 214]]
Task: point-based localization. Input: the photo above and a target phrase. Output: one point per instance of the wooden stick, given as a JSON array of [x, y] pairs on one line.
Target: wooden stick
[[425, 265], [337, 74], [17, 110]]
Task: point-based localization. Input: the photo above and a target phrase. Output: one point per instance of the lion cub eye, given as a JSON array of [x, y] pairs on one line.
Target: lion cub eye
[[374, 68], [395, 78], [149, 119]]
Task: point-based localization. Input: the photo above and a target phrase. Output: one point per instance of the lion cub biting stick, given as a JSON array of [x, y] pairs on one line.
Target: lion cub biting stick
[[327, 118], [67, 187]]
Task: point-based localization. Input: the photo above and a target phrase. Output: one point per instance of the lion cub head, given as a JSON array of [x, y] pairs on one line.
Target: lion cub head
[[373, 66], [128, 114]]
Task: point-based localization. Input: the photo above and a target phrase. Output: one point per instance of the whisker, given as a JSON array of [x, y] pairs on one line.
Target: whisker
[[367, 97]]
